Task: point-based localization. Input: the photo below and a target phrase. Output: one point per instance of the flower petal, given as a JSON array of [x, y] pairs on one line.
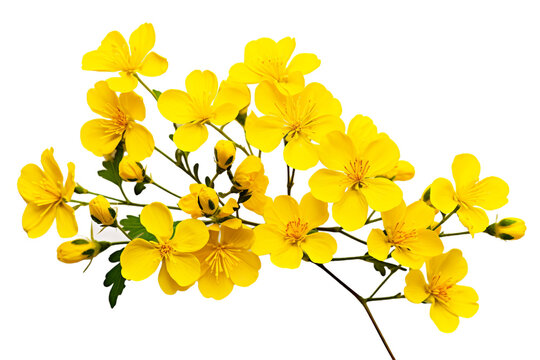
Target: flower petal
[[383, 156], [269, 99], [37, 220], [393, 216], [268, 238], [473, 218], [408, 258], [190, 137], [419, 215], [202, 86], [378, 245], [102, 100], [241, 73], [29, 182], [320, 247], [141, 42], [66, 224], [416, 289], [300, 153], [139, 259], [314, 211], [139, 142], [490, 193], [450, 266], [176, 106], [466, 171], [157, 220], [215, 286], [185, 269], [96, 138], [293, 85], [225, 113], [336, 150], [50, 166], [132, 105], [265, 132], [443, 196], [153, 65], [125, 83], [381, 194], [190, 235], [305, 63], [285, 48], [328, 185], [351, 211], [463, 301], [288, 256], [362, 131], [246, 270], [166, 282], [446, 321], [112, 54], [283, 210]]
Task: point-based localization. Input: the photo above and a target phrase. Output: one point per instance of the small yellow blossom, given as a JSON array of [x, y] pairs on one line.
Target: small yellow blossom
[[101, 211], [46, 197], [508, 229], [406, 228], [200, 104], [226, 260], [299, 119], [204, 201], [131, 170], [114, 56], [249, 178], [286, 232], [102, 136], [403, 171], [449, 301], [471, 195], [356, 163], [224, 153], [180, 268], [71, 252], [264, 59]]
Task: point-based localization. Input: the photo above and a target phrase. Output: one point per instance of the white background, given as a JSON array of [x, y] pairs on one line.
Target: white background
[[441, 79]]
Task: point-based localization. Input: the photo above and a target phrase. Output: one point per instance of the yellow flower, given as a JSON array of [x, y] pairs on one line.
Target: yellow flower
[[489, 194], [249, 178], [201, 104], [306, 116], [204, 201], [47, 198], [449, 301], [226, 260], [406, 229], [131, 170], [114, 55], [356, 162], [101, 211], [180, 268], [224, 153], [403, 171], [101, 136], [71, 252], [508, 229], [286, 232], [264, 59]]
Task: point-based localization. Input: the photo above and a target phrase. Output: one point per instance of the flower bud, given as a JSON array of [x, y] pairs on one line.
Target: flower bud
[[208, 201], [101, 211], [224, 153], [507, 229], [131, 170], [74, 251], [403, 171]]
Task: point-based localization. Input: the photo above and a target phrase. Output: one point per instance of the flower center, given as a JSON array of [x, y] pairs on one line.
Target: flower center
[[440, 291], [117, 124], [397, 236], [165, 249], [356, 171], [50, 192], [221, 259], [296, 231]]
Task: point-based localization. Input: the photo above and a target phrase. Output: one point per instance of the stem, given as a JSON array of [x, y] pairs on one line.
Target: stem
[[364, 304], [369, 259], [213, 179], [105, 196], [370, 216], [372, 221], [124, 232], [290, 180], [119, 243], [247, 222], [79, 202], [446, 217], [228, 137], [166, 190], [392, 272], [146, 87], [124, 194], [142, 205], [397, 296], [340, 230], [454, 234], [175, 163]]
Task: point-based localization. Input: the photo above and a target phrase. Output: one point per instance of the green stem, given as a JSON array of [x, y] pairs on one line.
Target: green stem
[[392, 272], [166, 190], [228, 138], [119, 242], [454, 234], [124, 232], [79, 202], [370, 259], [141, 205], [397, 296], [188, 172], [339, 229], [290, 179], [214, 179], [105, 196], [146, 87], [446, 217], [370, 216], [124, 194], [372, 221]]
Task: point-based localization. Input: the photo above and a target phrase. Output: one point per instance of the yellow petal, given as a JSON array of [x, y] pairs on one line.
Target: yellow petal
[[96, 138], [132, 105], [473, 218], [157, 220], [285, 48], [139, 142], [300, 153], [225, 113], [241, 73], [268, 238], [189, 204], [415, 291], [463, 301], [153, 65], [139, 260], [102, 100], [305, 63], [288, 256], [426, 243], [383, 156], [66, 224], [393, 216], [450, 265], [216, 287], [362, 131], [265, 132], [257, 202], [190, 137], [314, 211], [336, 150], [351, 211], [325, 124], [408, 258], [269, 100], [320, 247], [125, 83], [419, 215], [246, 270], [233, 234], [37, 220], [184, 268], [141, 42], [166, 282], [112, 54], [190, 235], [490, 193], [202, 86], [176, 106], [284, 209], [69, 186], [233, 92], [378, 245], [328, 185], [50, 166], [446, 321], [29, 182], [443, 196], [292, 85], [466, 170], [381, 194]]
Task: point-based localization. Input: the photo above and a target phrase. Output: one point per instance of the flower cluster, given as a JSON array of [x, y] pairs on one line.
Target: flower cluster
[[201, 238]]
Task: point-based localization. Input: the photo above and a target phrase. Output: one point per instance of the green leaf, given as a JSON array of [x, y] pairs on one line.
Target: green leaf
[[380, 268], [115, 279], [207, 181], [157, 92], [196, 170], [139, 187], [132, 225], [115, 256], [111, 167]]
